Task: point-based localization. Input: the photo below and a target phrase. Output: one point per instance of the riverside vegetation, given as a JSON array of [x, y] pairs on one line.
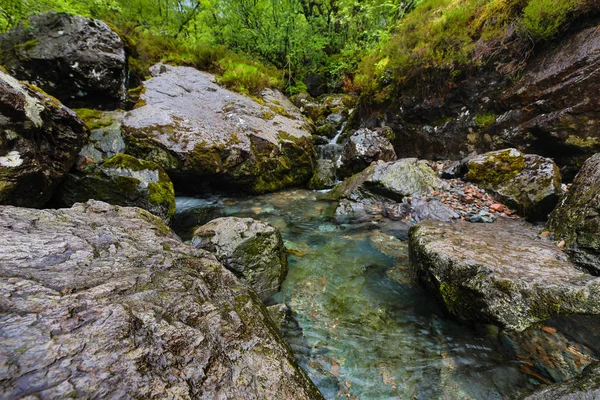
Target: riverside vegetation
[[300, 199]]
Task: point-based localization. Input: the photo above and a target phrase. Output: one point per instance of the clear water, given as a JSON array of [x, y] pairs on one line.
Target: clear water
[[363, 330]]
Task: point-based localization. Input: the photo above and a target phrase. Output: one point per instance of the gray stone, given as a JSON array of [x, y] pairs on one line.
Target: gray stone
[[122, 180], [324, 176], [39, 142], [577, 218], [99, 301], [253, 250], [81, 61], [364, 147], [200, 132], [105, 141], [499, 273], [526, 182], [583, 387]]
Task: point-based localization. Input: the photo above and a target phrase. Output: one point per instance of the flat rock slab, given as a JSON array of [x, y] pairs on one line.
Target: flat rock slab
[[499, 273], [100, 301]]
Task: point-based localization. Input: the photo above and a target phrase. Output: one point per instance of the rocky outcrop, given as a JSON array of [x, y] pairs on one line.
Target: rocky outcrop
[[122, 180], [499, 273], [393, 180], [364, 147], [104, 301], [577, 218], [583, 387], [526, 182], [251, 249], [39, 141], [81, 61], [199, 132]]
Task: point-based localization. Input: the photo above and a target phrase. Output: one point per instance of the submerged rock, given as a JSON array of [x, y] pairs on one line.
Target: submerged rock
[[104, 301], [79, 60], [253, 250], [200, 132], [499, 273], [583, 387], [39, 142], [364, 147], [526, 182], [122, 180], [577, 218]]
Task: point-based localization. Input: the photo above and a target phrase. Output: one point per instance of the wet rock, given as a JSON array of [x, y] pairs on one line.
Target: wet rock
[[79, 60], [499, 273], [529, 183], [39, 142], [392, 180], [200, 132], [364, 147], [577, 218], [251, 249], [122, 180], [105, 139], [325, 175], [129, 311], [279, 313], [335, 119], [583, 387]]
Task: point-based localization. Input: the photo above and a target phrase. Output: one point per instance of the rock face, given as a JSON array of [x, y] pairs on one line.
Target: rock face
[[364, 147], [39, 141], [577, 218], [583, 387], [499, 273], [200, 132], [324, 176], [122, 180], [251, 249], [99, 301], [394, 180], [526, 182], [106, 138], [79, 60]]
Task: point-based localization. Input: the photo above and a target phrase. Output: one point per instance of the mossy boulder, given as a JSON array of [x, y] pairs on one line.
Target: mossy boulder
[[364, 147], [325, 175], [251, 249], [499, 273], [105, 139], [202, 133], [577, 218], [122, 180], [529, 183], [106, 301], [39, 142], [79, 60]]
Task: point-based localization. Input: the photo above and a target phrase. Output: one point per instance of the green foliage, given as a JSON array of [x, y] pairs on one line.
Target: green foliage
[[484, 121], [544, 18], [247, 78]]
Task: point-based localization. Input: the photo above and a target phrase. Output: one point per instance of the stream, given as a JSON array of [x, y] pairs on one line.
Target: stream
[[362, 330]]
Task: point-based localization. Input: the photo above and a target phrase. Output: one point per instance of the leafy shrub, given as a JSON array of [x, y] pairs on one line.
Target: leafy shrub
[[247, 78]]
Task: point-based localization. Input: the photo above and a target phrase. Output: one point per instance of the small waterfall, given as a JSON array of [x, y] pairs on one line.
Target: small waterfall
[[332, 151]]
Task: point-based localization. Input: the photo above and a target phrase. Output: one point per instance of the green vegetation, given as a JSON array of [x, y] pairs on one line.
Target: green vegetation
[[484, 121], [374, 47]]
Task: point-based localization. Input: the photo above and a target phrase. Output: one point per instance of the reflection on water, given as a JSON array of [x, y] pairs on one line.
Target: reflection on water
[[362, 330]]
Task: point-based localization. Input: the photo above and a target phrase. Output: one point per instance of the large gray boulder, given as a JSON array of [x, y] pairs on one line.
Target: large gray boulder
[[39, 142], [99, 301], [122, 180], [200, 132], [364, 147], [577, 218], [499, 273], [251, 249], [583, 387], [81, 61], [526, 182]]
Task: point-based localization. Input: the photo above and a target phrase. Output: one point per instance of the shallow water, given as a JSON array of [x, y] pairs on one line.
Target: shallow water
[[363, 330]]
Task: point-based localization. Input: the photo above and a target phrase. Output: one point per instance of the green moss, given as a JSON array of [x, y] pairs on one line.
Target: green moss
[[205, 159], [94, 119], [484, 121], [162, 194], [456, 300], [128, 162], [25, 46], [577, 141], [496, 169]]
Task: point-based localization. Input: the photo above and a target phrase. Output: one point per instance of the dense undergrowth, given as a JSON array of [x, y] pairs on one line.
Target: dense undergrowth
[[375, 47]]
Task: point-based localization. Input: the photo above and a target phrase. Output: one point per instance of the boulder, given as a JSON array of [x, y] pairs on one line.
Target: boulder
[[528, 183], [106, 137], [577, 218], [389, 180], [100, 301], [364, 147], [200, 132], [499, 273], [583, 387], [39, 142], [81, 61], [122, 180], [251, 249], [324, 176]]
